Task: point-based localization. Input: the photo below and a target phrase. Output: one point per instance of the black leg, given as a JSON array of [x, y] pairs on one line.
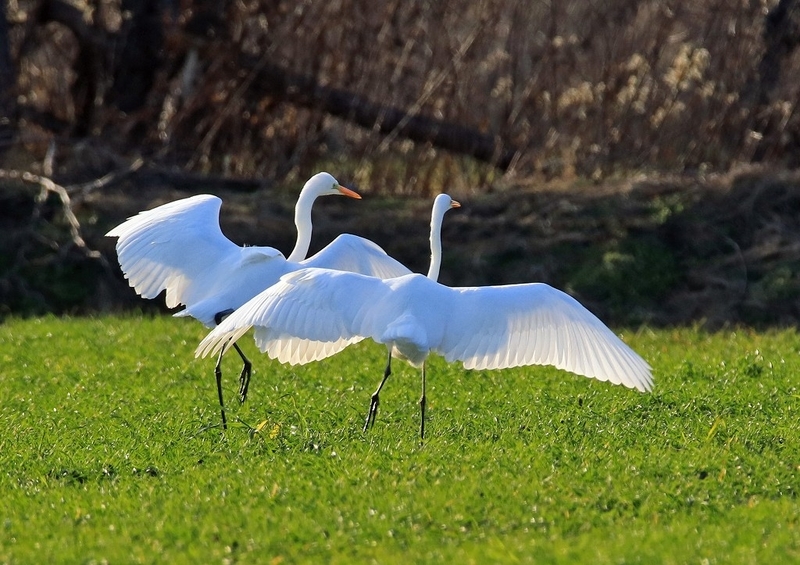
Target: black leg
[[422, 402], [374, 401], [218, 374], [218, 317], [244, 376]]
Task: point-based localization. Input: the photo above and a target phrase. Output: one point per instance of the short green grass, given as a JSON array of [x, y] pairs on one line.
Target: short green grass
[[110, 451]]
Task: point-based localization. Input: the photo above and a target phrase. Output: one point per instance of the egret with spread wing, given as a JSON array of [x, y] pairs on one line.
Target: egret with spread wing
[[313, 313], [179, 248]]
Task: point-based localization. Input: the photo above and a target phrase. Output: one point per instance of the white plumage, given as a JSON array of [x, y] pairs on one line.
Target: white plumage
[[313, 313], [179, 247]]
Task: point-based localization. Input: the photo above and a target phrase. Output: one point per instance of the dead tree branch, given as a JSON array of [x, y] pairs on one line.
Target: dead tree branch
[[47, 187], [305, 90]]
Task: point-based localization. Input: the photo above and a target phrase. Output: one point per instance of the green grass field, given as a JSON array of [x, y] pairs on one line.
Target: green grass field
[[111, 452]]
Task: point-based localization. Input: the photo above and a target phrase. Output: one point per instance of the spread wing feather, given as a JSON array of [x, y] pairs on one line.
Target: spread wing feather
[[356, 255], [308, 315], [179, 247], [509, 326]]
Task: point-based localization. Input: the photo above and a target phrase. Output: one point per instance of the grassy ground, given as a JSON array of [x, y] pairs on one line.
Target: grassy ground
[[109, 451]]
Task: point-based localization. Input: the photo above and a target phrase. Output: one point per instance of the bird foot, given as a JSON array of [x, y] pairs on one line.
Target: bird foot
[[373, 411], [244, 381]]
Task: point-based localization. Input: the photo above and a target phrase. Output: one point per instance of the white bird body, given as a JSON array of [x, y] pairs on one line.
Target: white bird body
[[256, 268], [313, 313]]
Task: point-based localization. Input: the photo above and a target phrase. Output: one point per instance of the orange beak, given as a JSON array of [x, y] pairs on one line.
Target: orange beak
[[455, 204], [350, 193]]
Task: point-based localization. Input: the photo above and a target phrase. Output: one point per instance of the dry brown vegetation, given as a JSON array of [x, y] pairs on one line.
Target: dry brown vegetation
[[411, 98], [575, 88]]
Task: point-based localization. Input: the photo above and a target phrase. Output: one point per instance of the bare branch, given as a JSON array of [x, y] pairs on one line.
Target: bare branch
[[305, 90], [47, 187]]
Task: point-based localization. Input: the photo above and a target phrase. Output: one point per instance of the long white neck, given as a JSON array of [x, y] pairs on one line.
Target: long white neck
[[436, 245], [302, 221]]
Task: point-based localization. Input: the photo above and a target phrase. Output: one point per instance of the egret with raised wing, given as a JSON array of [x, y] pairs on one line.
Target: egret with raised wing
[[179, 248]]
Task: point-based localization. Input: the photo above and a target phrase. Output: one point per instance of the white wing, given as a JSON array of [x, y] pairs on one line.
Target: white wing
[[313, 313], [308, 315], [179, 247], [357, 255], [535, 324]]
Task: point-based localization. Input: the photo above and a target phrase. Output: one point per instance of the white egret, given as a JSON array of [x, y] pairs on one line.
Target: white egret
[[179, 247], [313, 313]]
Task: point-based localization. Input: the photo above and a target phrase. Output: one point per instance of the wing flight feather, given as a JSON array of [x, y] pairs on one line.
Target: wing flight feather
[[508, 326], [178, 247], [357, 255], [308, 315]]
